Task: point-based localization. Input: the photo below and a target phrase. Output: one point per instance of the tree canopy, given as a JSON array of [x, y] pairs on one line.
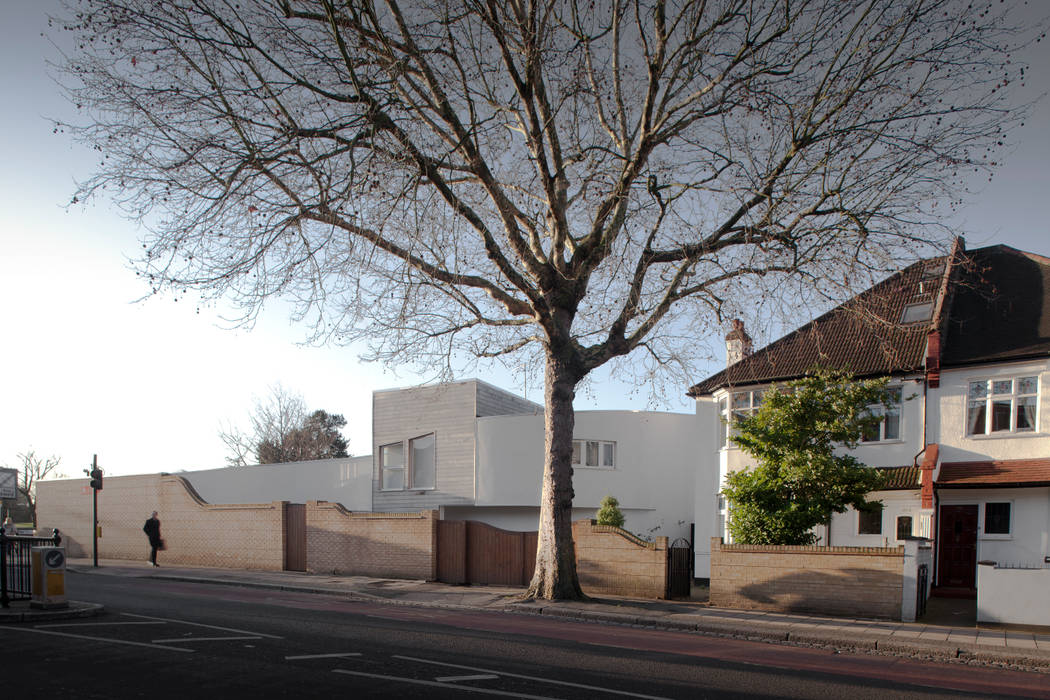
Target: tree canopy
[[802, 476], [559, 183]]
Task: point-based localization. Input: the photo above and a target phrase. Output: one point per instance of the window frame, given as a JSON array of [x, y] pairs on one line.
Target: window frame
[[861, 514], [880, 409], [727, 413], [384, 468], [580, 453], [410, 482], [988, 399], [897, 526], [1009, 521]]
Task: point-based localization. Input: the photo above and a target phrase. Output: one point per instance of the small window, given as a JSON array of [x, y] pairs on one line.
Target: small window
[[594, 453], [889, 428], [869, 522], [392, 466], [422, 454], [903, 527], [916, 313], [997, 518]]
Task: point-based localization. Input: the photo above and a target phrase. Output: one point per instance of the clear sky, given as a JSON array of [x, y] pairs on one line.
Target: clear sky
[[84, 369]]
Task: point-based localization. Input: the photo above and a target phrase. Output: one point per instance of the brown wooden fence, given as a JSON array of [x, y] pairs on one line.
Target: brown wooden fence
[[474, 552]]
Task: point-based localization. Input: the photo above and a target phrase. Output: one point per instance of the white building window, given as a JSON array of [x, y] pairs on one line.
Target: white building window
[[869, 522], [997, 518], [737, 405], [392, 466], [904, 527], [423, 472], [1002, 406], [419, 472], [889, 428], [594, 453]]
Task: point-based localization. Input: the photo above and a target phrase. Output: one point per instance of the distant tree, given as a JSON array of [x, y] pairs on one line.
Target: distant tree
[[609, 513], [281, 430], [802, 477], [31, 470], [317, 438], [560, 184]]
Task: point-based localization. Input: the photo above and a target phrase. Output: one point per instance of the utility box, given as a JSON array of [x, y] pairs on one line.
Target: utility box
[[49, 577]]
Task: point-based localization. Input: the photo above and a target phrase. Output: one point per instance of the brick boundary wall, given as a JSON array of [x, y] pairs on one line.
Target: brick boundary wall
[[612, 561], [844, 581], [239, 536], [394, 545]]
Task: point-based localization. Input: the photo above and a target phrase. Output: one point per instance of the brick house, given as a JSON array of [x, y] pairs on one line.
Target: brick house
[[965, 339]]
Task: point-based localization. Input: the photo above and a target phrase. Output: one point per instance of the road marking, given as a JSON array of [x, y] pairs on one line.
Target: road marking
[[94, 624], [435, 684], [96, 639], [198, 624], [185, 640], [532, 678], [479, 677], [322, 656]]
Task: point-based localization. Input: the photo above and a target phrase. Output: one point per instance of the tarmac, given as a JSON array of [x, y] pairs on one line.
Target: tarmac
[[948, 632]]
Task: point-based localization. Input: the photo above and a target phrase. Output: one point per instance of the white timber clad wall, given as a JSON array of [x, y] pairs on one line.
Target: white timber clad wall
[[496, 402], [345, 480]]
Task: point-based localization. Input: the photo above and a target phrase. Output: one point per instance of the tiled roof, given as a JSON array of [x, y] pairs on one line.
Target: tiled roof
[[997, 308], [901, 478], [995, 473], [862, 336]]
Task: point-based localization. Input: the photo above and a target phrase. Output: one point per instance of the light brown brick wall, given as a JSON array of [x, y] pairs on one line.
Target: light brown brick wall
[[397, 545], [615, 562], [244, 536], [851, 581]]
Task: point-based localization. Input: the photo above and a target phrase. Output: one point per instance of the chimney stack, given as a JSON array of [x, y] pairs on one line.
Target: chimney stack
[[738, 343]]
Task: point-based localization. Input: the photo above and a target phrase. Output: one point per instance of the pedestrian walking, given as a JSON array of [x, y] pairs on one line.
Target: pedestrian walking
[[152, 530]]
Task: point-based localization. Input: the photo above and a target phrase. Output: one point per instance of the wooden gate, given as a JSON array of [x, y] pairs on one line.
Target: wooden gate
[[475, 552], [295, 537]]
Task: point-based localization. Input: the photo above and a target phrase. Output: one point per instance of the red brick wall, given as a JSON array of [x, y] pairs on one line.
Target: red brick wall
[[249, 536], [397, 545], [851, 581], [615, 562]]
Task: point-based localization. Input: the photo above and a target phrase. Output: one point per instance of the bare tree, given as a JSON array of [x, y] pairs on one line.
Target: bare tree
[[573, 183], [282, 430], [31, 470]]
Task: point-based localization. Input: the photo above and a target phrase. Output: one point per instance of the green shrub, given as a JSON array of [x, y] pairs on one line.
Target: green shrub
[[609, 513]]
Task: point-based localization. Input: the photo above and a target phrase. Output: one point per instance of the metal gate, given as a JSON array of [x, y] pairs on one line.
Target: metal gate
[[680, 569], [15, 570], [920, 592], [295, 537]]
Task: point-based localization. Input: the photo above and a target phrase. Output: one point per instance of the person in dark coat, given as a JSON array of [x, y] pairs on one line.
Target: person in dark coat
[[152, 530]]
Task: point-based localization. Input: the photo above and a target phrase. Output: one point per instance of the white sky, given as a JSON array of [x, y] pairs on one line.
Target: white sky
[[84, 369]]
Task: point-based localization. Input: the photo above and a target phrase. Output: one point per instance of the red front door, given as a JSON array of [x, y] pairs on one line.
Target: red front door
[[957, 567]]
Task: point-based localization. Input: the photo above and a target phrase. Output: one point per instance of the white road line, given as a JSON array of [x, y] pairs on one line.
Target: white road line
[[95, 639], [479, 677], [198, 624], [94, 624], [435, 684], [186, 640], [532, 678], [322, 656]]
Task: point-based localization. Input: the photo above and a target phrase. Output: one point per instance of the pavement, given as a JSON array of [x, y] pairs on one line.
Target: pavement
[[943, 635]]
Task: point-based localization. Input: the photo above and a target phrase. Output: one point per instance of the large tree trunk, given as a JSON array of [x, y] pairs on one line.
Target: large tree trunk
[[555, 575]]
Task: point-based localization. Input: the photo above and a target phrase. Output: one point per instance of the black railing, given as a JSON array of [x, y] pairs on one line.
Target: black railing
[[920, 590], [16, 582]]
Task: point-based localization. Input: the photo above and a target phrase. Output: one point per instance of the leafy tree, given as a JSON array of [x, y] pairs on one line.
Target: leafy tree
[[609, 513], [579, 183], [283, 431], [802, 476], [31, 470]]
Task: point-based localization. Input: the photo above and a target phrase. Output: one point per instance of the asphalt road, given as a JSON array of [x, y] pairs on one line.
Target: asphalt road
[[181, 640]]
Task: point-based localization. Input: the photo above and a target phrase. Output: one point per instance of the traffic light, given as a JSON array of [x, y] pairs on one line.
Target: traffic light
[[96, 479]]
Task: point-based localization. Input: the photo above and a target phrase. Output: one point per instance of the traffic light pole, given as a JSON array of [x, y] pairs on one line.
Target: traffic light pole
[[94, 512]]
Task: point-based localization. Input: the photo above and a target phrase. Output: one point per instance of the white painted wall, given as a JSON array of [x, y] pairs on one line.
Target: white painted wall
[[1013, 596], [1027, 544], [947, 416], [342, 480], [894, 503], [654, 476]]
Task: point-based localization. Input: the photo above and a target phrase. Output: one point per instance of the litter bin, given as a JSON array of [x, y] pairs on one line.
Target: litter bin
[[49, 577]]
